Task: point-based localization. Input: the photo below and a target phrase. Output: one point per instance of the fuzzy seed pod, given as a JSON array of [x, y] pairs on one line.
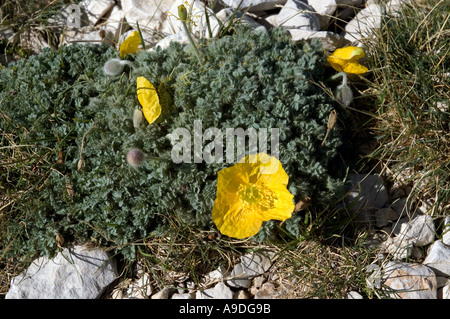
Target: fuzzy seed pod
[[332, 118], [137, 118], [302, 204], [80, 165], [59, 240], [135, 157]]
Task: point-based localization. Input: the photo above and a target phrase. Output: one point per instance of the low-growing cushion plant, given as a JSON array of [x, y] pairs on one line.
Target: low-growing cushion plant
[[67, 128]]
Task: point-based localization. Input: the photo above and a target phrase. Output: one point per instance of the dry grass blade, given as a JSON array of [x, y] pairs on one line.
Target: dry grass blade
[[414, 91], [315, 270]]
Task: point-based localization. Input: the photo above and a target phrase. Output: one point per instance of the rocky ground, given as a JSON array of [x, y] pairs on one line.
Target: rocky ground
[[403, 234], [414, 251]]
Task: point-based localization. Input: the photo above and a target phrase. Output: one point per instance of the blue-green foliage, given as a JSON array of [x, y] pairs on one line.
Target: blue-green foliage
[[58, 99]]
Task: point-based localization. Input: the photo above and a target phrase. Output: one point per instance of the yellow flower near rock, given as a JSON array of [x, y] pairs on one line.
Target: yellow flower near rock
[[148, 98], [346, 60], [130, 44], [250, 192]]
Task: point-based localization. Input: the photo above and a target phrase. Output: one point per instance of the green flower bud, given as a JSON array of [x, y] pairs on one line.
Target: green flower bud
[[182, 13]]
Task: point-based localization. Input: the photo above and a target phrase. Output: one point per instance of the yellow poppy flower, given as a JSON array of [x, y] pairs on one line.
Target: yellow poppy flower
[[130, 44], [148, 98], [346, 59], [250, 192]]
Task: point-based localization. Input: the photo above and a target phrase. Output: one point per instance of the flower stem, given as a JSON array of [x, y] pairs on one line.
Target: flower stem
[[343, 75], [192, 42]]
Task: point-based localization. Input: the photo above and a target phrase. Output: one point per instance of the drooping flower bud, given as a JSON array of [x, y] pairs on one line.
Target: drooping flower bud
[[135, 157], [115, 66], [344, 94]]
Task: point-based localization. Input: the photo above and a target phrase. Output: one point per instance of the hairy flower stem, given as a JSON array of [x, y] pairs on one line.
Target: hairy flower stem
[[343, 75], [191, 41]]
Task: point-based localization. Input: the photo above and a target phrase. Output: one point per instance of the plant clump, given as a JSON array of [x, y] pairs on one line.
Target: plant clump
[[59, 109]]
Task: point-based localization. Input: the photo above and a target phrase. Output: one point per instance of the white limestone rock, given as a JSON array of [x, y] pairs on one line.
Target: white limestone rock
[[116, 24], [438, 258], [325, 10], [219, 291], [398, 247], [182, 296], [239, 278], [330, 40], [354, 295], [214, 276], [255, 264], [410, 234], [177, 37], [410, 281], [88, 34], [366, 192], [162, 294], [75, 273], [86, 13], [296, 14], [88, 27], [394, 7], [224, 16], [251, 265], [95, 10], [150, 14], [255, 5], [446, 231], [364, 24], [33, 40], [420, 230], [445, 292]]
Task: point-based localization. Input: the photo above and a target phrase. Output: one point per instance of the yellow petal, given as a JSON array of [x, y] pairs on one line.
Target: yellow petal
[[349, 53], [229, 179], [284, 205], [262, 167], [148, 97], [345, 59], [336, 63], [355, 68], [130, 44], [235, 221]]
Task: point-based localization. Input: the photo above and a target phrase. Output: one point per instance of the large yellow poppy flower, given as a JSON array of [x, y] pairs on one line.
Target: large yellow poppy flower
[[250, 192]]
